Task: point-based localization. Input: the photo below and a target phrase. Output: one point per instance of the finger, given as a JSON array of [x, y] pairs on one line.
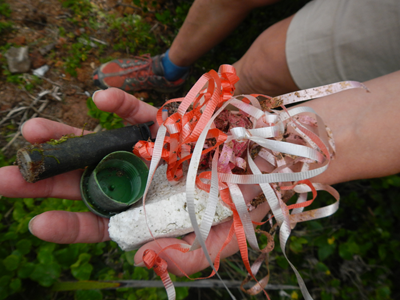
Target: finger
[[194, 261], [13, 185], [64, 227], [39, 130], [126, 106]]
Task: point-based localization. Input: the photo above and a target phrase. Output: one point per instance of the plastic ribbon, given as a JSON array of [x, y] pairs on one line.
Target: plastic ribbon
[[153, 261], [289, 140]]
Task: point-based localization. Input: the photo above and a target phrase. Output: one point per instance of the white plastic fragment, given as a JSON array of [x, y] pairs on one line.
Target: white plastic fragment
[[166, 212], [39, 72]]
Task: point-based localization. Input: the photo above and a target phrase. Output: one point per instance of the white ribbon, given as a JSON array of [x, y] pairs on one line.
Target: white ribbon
[[274, 123], [318, 92]]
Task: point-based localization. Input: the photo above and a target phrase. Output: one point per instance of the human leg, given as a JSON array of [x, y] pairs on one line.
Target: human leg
[[263, 68], [208, 23], [327, 41]]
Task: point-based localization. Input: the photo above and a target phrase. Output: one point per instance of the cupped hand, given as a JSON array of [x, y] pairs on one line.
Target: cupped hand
[[191, 262], [61, 226], [69, 227]]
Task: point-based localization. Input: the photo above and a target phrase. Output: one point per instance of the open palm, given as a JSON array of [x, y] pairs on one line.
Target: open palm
[[69, 227]]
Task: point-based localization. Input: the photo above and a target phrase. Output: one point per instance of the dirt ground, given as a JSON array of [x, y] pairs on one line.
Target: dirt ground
[[59, 96]]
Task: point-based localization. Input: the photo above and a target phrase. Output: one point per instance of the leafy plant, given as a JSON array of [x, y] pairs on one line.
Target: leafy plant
[[23, 81], [81, 10], [352, 254], [5, 9], [133, 33], [176, 19], [13, 78], [78, 53], [107, 120], [5, 13]]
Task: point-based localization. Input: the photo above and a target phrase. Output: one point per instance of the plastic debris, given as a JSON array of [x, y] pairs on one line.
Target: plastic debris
[[39, 72], [18, 60]]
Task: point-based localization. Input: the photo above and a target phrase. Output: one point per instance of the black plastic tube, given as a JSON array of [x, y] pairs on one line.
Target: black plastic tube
[[46, 160]]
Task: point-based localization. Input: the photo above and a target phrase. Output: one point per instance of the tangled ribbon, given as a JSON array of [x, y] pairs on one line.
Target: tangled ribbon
[[211, 123]]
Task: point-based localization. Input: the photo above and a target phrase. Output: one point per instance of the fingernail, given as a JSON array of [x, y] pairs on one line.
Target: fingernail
[[95, 93], [30, 224], [21, 128], [141, 264]]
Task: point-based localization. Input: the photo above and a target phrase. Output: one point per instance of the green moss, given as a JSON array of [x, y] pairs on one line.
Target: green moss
[[63, 139]]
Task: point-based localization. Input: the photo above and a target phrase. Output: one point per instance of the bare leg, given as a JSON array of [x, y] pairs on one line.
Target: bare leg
[[263, 69], [207, 24]]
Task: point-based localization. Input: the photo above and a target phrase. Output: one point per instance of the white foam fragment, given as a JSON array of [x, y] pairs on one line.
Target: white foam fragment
[[166, 212]]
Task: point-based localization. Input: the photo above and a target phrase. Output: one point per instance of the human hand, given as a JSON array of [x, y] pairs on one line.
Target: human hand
[[69, 227], [61, 226]]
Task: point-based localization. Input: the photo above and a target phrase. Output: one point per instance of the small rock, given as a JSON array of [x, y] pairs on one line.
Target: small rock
[[18, 60]]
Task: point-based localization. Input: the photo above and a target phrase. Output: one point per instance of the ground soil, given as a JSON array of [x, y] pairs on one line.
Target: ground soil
[[36, 24]]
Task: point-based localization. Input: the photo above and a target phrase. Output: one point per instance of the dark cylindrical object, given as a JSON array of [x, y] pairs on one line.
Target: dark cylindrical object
[[42, 161]]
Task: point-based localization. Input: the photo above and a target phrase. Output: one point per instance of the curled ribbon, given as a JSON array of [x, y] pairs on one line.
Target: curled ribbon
[[205, 126], [152, 261]]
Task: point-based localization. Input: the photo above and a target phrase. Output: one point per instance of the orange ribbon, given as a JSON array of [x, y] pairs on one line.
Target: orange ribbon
[[184, 128]]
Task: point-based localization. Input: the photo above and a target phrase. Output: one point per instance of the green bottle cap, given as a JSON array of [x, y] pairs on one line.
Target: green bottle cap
[[118, 181]]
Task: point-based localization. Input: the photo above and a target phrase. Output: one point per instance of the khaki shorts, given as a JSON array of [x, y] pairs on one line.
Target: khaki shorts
[[330, 41]]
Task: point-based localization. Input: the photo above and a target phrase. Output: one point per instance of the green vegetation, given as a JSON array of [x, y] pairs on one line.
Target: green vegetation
[[107, 120], [23, 81], [132, 33], [81, 9], [354, 253], [78, 53], [29, 266], [350, 255], [5, 13]]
